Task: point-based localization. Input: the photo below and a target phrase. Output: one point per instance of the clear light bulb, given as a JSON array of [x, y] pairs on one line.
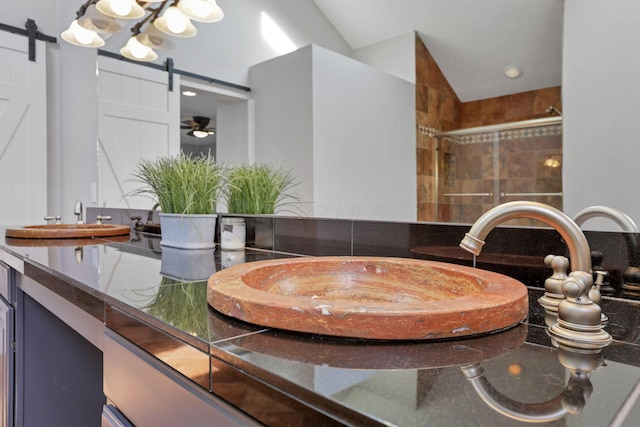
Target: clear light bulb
[[136, 48], [121, 7], [81, 34], [176, 21], [200, 133], [201, 8]]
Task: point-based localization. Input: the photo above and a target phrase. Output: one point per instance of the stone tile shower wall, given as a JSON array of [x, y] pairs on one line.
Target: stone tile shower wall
[[515, 160]]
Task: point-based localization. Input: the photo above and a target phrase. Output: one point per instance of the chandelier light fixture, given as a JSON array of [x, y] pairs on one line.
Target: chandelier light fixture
[[97, 20]]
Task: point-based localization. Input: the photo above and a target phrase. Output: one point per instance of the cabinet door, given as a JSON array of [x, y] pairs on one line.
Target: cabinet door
[[58, 372], [6, 364]]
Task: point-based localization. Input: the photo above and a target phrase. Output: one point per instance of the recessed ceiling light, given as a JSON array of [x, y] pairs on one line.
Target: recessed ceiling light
[[512, 71], [189, 93]]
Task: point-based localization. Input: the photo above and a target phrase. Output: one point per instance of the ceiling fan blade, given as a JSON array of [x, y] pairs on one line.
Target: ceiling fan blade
[[201, 121]]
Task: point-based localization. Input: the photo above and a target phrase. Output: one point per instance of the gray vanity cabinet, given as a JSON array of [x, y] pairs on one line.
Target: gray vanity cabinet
[[58, 371], [6, 346]]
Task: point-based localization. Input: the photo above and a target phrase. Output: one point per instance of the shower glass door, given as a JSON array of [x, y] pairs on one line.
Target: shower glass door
[[488, 166]]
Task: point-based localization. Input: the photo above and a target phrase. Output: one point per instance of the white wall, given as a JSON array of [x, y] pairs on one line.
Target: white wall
[[233, 131], [600, 96], [396, 56], [283, 109], [364, 141], [347, 129]]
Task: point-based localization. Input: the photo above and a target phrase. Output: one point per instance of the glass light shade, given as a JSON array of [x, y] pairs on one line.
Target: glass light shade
[[200, 133], [95, 21], [201, 10], [80, 36], [123, 9], [154, 38], [136, 51], [175, 23]]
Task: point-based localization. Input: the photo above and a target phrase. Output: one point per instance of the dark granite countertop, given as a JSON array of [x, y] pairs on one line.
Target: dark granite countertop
[[284, 378]]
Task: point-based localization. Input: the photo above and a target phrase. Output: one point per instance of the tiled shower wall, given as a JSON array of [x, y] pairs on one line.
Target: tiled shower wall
[[470, 167]]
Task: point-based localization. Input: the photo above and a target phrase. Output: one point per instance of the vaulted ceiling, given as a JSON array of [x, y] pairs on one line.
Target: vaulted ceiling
[[471, 40]]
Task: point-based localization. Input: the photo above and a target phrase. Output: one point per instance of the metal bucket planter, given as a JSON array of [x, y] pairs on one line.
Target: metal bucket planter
[[192, 231]]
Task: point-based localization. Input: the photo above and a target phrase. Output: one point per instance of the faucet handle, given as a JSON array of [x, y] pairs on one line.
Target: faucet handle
[[600, 275], [51, 218], [77, 211], [100, 218], [138, 226]]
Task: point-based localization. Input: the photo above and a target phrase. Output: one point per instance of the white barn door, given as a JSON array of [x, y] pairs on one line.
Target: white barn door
[[138, 117], [23, 132]]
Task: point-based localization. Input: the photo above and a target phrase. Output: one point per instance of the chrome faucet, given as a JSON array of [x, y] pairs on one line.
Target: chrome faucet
[[579, 321], [78, 212]]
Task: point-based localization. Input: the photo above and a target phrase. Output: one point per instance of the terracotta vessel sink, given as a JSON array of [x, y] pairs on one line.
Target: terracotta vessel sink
[[52, 243], [67, 231], [369, 297]]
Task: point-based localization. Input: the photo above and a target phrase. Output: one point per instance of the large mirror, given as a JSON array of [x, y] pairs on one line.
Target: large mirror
[[520, 53]]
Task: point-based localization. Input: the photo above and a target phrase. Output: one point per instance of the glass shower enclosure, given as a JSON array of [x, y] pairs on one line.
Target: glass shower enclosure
[[481, 167]]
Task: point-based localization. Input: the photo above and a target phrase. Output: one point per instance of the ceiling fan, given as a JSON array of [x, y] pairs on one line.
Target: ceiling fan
[[198, 126]]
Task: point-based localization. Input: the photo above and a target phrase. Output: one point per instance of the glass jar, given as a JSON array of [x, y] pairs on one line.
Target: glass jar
[[231, 258], [233, 234]]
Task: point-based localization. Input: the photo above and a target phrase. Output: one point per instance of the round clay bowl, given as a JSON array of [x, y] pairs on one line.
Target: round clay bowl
[[369, 297], [67, 231]]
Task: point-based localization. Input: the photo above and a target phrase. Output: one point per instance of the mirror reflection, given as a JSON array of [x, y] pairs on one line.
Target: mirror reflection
[[453, 177]]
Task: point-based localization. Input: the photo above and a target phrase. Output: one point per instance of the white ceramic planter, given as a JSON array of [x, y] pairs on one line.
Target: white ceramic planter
[[188, 231]]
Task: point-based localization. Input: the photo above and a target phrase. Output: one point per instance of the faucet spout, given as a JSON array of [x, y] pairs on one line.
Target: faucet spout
[[630, 275], [78, 212], [579, 252], [150, 214]]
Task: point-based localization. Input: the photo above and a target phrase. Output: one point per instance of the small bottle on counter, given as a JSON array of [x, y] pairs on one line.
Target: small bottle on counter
[[233, 234]]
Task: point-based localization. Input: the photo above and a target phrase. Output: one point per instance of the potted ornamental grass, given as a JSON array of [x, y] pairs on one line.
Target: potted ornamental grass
[[187, 188], [258, 189]]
